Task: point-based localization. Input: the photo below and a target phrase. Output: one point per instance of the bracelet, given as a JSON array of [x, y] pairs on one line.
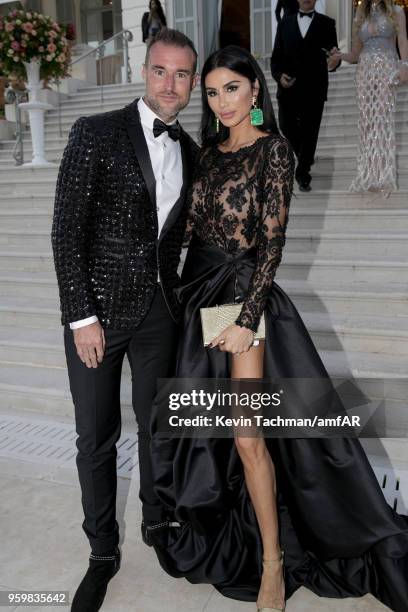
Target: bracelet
[[403, 63]]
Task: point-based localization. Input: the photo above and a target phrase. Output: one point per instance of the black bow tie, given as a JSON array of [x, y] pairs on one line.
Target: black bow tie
[[306, 14], [174, 130]]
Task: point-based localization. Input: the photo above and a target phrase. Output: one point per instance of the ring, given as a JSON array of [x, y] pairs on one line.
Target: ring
[[222, 341]]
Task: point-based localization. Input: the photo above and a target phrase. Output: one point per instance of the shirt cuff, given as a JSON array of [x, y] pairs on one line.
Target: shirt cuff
[[83, 322]]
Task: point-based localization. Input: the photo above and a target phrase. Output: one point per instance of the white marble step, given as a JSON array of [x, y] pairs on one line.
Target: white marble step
[[329, 165], [294, 266], [325, 153], [345, 269], [378, 299], [323, 243], [46, 390], [346, 331], [342, 179], [334, 113], [39, 181], [337, 199], [319, 199], [394, 243], [334, 298], [16, 283], [20, 218], [44, 351]]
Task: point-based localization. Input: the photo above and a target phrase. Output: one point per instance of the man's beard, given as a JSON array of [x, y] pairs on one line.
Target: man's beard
[[156, 107]]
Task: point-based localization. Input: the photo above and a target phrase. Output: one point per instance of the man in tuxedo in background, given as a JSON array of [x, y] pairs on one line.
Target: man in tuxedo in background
[[290, 7], [300, 63], [119, 220]]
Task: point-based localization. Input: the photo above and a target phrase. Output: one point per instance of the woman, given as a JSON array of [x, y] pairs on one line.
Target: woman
[[153, 20], [378, 24], [233, 503]]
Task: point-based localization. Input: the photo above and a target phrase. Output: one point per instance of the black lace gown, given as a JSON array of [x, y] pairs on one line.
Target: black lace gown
[[341, 539]]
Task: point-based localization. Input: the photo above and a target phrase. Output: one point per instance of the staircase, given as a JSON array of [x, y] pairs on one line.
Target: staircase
[[345, 263]]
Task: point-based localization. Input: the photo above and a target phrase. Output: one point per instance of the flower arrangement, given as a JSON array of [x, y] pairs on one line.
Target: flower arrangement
[[27, 36]]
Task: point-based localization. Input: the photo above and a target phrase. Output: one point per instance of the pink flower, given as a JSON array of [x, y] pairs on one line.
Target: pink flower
[[9, 27], [28, 27], [49, 58], [15, 45], [52, 34], [51, 48]]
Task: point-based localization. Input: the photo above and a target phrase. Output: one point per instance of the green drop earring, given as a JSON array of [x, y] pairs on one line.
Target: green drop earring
[[217, 124], [256, 114]]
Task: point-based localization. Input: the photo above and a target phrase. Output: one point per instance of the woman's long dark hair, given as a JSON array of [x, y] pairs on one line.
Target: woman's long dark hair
[[159, 12], [238, 60]]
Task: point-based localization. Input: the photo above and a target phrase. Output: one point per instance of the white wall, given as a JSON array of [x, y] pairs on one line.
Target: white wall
[[49, 7]]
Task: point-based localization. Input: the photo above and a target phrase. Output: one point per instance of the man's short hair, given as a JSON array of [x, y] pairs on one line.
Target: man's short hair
[[173, 38]]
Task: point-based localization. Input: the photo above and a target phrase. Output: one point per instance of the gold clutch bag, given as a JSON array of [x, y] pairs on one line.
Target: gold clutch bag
[[215, 319]]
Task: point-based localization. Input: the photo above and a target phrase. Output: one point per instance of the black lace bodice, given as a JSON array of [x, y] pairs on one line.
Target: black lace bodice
[[241, 200]]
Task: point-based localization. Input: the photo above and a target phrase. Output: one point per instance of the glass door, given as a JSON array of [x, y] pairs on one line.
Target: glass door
[[261, 31], [101, 19], [185, 18]]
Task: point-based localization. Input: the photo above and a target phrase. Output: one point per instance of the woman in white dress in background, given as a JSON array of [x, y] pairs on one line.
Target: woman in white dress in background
[[379, 25]]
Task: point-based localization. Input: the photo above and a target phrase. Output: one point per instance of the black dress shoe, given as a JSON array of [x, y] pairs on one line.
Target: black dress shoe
[[146, 537], [303, 186], [92, 590]]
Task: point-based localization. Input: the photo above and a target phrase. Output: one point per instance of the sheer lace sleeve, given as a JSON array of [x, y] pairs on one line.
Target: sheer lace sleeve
[[277, 182], [189, 229]]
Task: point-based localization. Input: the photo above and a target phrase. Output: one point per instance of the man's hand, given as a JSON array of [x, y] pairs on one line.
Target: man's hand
[[334, 58], [90, 344], [286, 81]]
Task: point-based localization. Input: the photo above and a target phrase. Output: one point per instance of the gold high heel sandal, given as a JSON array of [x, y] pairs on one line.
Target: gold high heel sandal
[[269, 562]]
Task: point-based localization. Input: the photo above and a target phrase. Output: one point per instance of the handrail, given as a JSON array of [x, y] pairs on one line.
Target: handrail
[[127, 37], [126, 34], [16, 96]]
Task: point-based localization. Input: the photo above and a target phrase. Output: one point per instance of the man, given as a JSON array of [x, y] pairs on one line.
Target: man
[[290, 7], [300, 62], [120, 214]]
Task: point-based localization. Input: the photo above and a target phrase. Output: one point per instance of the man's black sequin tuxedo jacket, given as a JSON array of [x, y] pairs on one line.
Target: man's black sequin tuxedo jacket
[[106, 249]]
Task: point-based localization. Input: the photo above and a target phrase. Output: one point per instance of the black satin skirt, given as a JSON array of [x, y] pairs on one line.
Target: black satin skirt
[[340, 537]]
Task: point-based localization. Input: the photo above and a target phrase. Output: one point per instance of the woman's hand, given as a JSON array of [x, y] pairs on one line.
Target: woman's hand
[[336, 56], [403, 75], [234, 339]]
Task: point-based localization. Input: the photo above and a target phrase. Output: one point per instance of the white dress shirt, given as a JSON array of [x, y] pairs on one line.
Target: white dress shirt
[[304, 23], [167, 164]]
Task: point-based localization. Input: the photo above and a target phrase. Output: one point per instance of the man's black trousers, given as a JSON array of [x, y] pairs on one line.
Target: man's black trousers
[[300, 116], [96, 394]]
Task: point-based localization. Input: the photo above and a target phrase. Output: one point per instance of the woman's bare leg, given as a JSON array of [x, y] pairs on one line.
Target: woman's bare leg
[[261, 484]]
